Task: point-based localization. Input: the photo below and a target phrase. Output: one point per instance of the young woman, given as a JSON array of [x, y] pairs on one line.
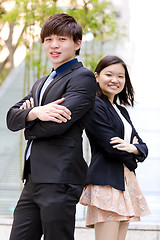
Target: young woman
[[112, 193]]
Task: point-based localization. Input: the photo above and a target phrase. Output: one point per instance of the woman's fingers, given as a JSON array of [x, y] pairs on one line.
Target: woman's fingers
[[116, 140], [135, 140]]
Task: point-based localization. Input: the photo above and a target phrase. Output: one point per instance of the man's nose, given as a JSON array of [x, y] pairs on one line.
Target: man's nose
[[55, 43]]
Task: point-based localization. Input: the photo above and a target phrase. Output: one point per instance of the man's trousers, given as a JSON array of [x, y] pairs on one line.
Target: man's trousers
[[46, 209]]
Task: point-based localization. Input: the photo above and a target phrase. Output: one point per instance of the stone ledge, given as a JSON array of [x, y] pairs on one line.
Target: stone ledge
[[6, 221], [81, 224], [136, 231], [139, 226]]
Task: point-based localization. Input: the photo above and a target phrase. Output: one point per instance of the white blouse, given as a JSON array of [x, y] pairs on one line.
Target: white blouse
[[127, 126]]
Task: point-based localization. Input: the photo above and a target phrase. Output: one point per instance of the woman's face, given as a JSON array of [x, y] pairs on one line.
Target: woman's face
[[111, 80]]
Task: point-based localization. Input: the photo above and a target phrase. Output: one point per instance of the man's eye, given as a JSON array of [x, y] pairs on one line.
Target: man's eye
[[47, 39]]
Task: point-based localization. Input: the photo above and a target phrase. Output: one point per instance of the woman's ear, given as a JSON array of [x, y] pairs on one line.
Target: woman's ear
[[96, 76]]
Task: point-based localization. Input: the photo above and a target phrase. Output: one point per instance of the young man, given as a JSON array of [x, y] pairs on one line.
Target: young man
[[53, 115]]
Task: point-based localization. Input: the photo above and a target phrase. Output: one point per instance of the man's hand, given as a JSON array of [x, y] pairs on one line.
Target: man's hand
[[28, 104], [121, 145], [49, 112]]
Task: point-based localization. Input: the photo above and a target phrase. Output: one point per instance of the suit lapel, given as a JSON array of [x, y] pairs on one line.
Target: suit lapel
[[37, 91], [115, 118], [59, 77]]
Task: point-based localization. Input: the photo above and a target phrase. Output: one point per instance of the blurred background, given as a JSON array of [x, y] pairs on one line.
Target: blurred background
[[126, 28]]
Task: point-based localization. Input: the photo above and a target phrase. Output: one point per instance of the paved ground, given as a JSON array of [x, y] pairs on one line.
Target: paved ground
[[137, 231]]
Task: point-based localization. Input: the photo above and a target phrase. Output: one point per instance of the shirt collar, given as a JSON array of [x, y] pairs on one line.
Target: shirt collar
[[65, 65]]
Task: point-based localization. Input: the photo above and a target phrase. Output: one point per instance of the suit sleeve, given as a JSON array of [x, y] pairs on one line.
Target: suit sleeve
[[141, 146], [100, 131], [79, 98], [16, 117]]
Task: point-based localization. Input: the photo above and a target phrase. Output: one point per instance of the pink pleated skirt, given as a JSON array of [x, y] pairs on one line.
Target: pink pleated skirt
[[106, 203]]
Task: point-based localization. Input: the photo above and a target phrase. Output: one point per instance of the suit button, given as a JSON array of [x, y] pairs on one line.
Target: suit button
[[33, 137]]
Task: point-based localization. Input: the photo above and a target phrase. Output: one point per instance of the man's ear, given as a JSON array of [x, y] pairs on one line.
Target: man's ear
[[96, 76], [78, 44]]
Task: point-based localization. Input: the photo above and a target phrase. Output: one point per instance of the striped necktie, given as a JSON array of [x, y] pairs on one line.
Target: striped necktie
[[45, 85]]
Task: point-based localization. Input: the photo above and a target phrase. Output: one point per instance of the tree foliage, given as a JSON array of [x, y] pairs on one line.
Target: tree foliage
[[97, 17]]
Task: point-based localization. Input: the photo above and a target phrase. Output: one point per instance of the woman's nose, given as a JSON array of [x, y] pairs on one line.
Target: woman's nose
[[114, 79]]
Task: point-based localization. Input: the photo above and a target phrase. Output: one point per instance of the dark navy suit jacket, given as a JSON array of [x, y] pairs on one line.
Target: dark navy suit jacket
[[106, 166], [56, 154]]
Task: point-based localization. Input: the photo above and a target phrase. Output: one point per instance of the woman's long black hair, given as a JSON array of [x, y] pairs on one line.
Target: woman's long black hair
[[126, 96]]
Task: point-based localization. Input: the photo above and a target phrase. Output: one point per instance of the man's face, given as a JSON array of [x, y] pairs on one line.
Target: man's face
[[60, 49]]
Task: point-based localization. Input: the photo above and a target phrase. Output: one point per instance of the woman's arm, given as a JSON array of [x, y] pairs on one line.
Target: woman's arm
[[100, 130], [121, 145], [139, 144]]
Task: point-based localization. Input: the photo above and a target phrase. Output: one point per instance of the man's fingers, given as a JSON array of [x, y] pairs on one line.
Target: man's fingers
[[28, 104], [64, 114], [23, 106], [59, 101], [62, 108], [59, 117], [54, 112], [60, 112], [56, 105], [53, 119], [31, 102]]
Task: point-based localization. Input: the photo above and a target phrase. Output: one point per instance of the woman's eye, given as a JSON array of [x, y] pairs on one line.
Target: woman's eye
[[108, 75]]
